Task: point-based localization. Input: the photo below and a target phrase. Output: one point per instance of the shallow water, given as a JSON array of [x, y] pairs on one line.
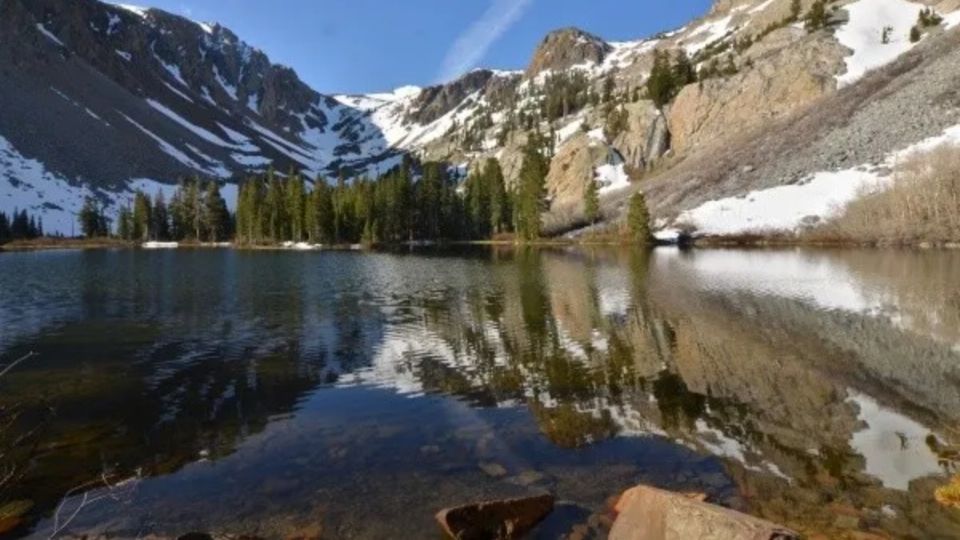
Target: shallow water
[[273, 393]]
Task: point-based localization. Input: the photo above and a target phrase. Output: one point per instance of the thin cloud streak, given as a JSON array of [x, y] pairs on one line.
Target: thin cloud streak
[[471, 46]]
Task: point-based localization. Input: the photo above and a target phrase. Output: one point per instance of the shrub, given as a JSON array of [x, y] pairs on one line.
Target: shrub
[[914, 34], [817, 17], [922, 204], [638, 219], [949, 495]]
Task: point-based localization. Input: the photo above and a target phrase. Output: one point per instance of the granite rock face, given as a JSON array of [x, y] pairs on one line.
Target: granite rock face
[[565, 48]]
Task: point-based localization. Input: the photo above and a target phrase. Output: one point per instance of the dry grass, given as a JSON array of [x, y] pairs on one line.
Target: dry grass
[[922, 205], [949, 495], [64, 243]]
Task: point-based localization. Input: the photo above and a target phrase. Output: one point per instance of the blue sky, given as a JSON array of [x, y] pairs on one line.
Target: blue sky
[[376, 45]]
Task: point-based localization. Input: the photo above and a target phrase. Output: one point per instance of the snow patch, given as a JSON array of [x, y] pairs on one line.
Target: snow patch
[[243, 142], [26, 184], [160, 245], [195, 129], [124, 54], [169, 149], [611, 178], [253, 162], [762, 6], [227, 87], [113, 21], [172, 69], [597, 136], [952, 19], [893, 445], [864, 34], [788, 208], [783, 208], [706, 33], [569, 130], [43, 30], [136, 10], [205, 94], [177, 92]]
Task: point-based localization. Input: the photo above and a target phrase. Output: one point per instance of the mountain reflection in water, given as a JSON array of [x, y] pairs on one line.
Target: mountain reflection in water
[[261, 393]]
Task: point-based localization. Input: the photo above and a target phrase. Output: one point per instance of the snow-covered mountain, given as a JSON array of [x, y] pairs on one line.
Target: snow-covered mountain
[[101, 99]]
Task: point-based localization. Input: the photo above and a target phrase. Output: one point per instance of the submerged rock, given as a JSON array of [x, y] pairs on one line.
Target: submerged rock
[[500, 520], [493, 469], [645, 513]]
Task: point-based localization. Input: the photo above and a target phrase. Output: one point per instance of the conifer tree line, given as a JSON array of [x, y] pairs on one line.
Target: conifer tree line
[[19, 225], [412, 202], [196, 211]]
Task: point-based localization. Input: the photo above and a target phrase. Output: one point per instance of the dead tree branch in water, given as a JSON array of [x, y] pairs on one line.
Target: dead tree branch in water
[[9, 470], [17, 362], [90, 493]]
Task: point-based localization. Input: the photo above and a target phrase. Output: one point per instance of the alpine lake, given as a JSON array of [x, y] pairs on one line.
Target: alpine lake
[[285, 394]]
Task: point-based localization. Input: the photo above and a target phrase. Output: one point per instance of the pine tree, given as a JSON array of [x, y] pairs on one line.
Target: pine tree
[[795, 8], [295, 207], [4, 228], [177, 215], [160, 217], [20, 228], [609, 85], [193, 209], [914, 34], [478, 203], [638, 219], [275, 209], [660, 83], [90, 217], [817, 17], [531, 191], [125, 223], [320, 213], [683, 71], [215, 216], [591, 202], [429, 200], [141, 217], [369, 237], [499, 199]]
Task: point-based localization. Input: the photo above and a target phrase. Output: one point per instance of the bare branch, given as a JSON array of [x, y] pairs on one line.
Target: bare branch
[[16, 362]]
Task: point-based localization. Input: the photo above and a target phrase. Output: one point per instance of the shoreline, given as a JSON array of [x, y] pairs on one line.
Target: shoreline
[[716, 242]]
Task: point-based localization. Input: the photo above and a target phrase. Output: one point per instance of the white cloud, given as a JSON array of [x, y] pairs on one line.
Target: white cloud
[[472, 45]]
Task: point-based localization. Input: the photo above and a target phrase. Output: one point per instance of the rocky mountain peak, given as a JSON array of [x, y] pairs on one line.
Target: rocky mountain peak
[[567, 47]]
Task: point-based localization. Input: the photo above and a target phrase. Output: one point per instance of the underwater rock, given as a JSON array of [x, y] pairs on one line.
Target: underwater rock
[[501, 520], [645, 513]]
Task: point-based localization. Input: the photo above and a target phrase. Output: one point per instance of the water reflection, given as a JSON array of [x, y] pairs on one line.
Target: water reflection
[[818, 389]]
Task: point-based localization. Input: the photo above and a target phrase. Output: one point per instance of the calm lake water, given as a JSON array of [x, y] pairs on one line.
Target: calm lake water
[[273, 393]]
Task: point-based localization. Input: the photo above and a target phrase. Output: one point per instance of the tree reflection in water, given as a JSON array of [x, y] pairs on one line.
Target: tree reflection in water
[[826, 384]]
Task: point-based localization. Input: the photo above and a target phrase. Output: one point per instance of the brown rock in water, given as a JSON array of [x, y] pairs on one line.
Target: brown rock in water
[[646, 513], [499, 520]]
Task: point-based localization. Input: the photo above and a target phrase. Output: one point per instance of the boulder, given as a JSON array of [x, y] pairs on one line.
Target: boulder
[[500, 520], [645, 513]]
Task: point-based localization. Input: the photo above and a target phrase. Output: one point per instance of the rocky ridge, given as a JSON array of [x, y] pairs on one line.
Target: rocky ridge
[[173, 98]]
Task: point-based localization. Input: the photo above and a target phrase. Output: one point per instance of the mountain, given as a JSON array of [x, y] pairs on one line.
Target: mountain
[[101, 99]]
